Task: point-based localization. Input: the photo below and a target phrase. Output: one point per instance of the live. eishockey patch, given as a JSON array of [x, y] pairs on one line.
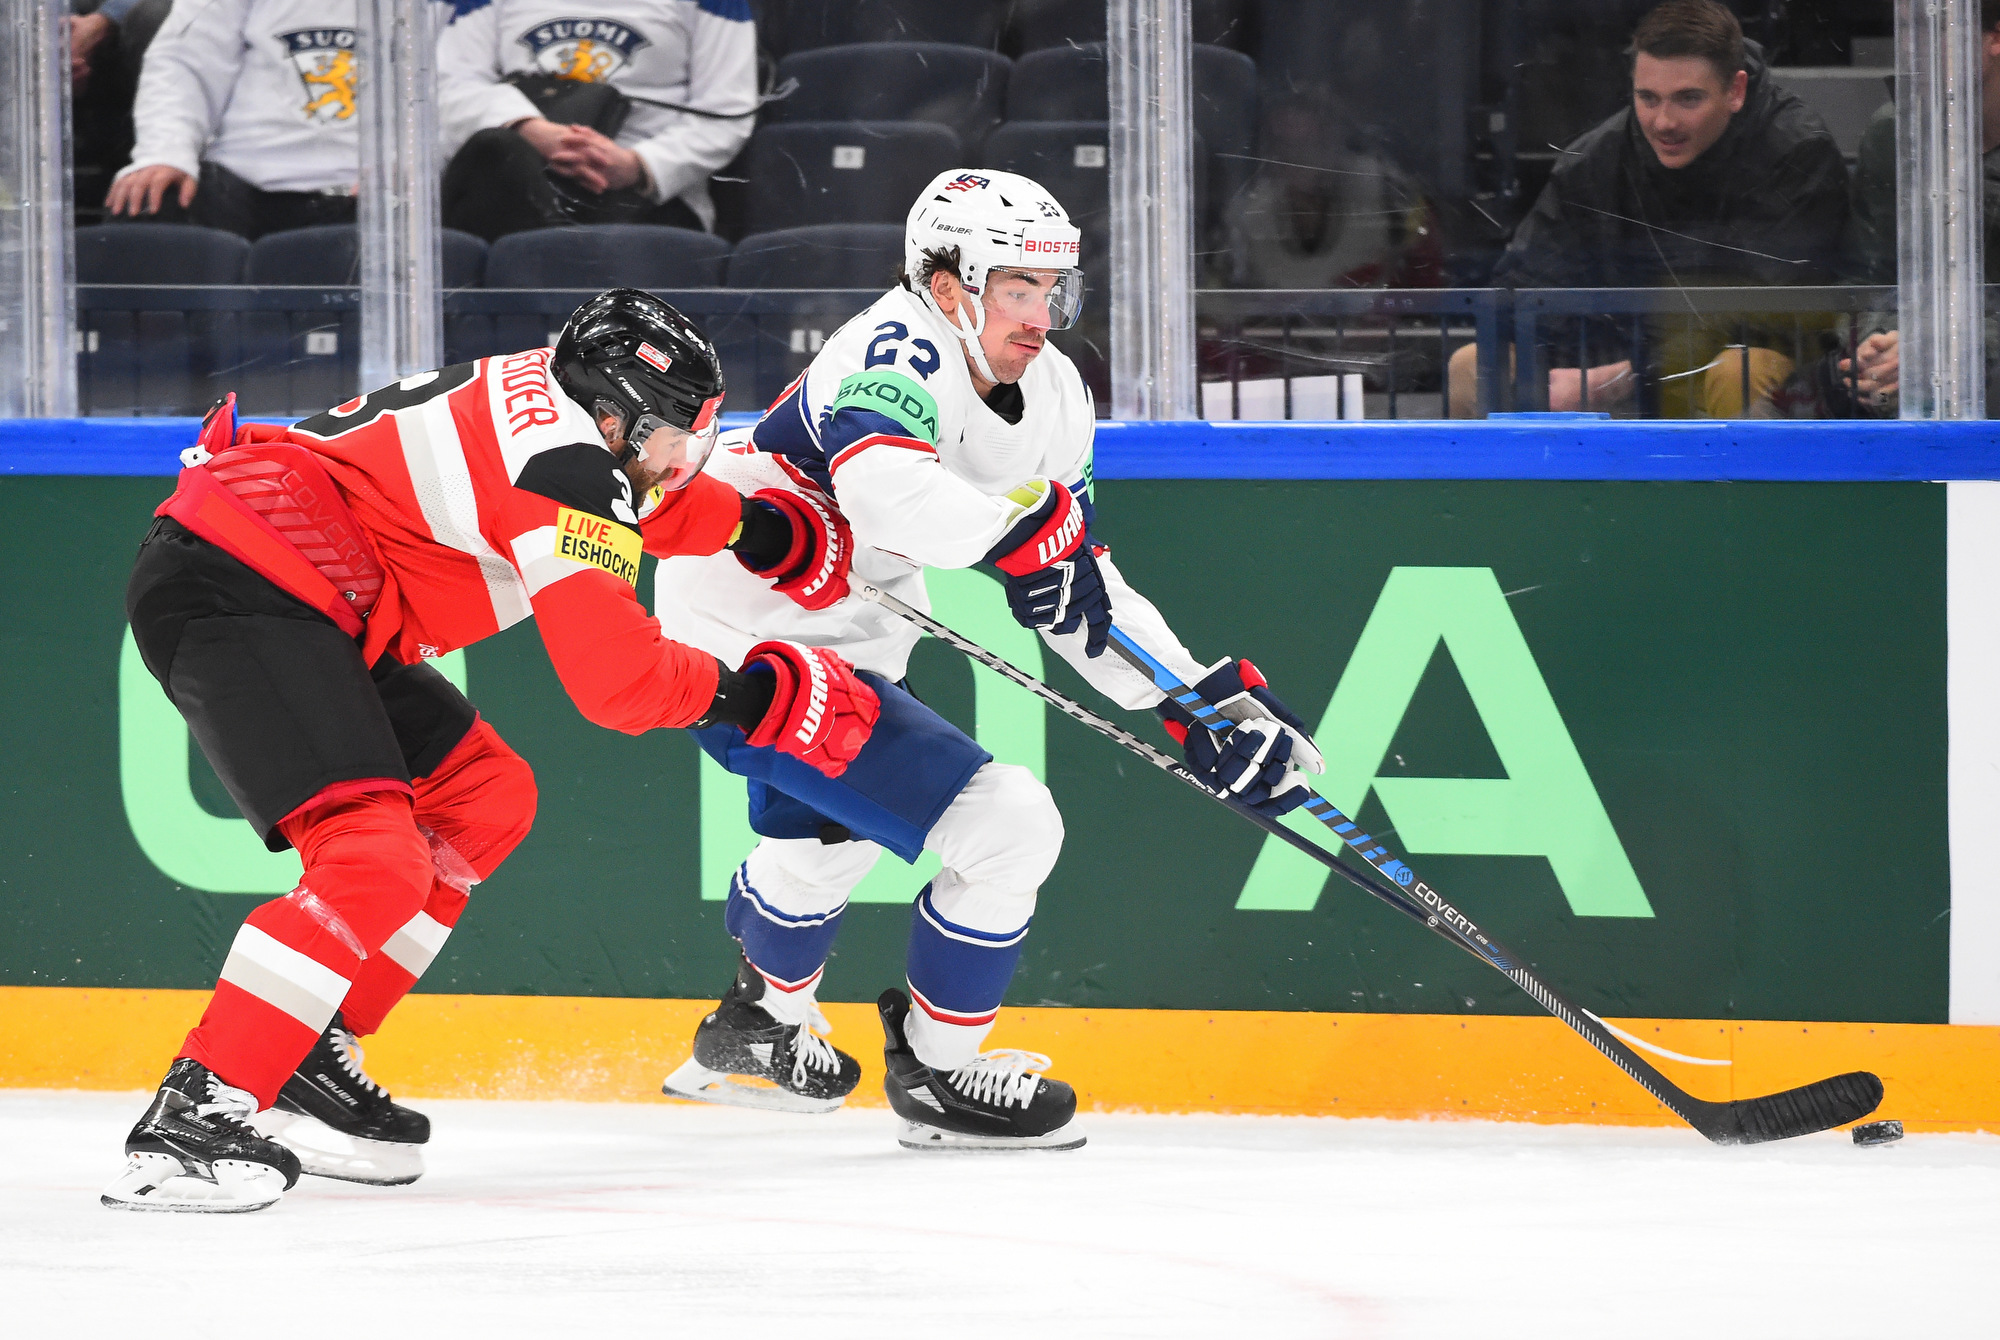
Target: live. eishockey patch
[[583, 538]]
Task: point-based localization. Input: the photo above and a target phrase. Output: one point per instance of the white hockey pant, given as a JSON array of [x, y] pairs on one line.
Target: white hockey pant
[[998, 841]]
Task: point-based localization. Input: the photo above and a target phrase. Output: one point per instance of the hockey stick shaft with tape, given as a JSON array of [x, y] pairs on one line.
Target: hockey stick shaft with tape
[[1813, 1107]]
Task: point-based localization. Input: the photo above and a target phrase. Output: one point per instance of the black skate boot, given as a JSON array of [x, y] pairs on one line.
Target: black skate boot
[[343, 1124], [195, 1150], [994, 1101], [805, 1072]]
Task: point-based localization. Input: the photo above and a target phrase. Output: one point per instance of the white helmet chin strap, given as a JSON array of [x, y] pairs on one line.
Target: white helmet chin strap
[[970, 338]]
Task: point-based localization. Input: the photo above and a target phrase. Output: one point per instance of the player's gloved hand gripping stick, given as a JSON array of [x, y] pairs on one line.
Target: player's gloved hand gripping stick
[[1050, 573], [1813, 1107], [1259, 756]]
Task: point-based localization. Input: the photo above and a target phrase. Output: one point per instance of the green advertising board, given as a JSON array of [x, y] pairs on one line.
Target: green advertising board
[[1682, 745]]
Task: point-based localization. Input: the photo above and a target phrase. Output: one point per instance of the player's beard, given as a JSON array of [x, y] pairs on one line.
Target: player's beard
[[1011, 362]]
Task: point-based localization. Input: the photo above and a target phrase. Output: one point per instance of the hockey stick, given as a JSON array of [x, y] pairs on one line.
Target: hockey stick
[[1813, 1107]]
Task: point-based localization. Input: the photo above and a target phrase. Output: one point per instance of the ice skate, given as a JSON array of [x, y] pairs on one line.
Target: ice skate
[[341, 1123], [801, 1071], [995, 1101], [195, 1150]]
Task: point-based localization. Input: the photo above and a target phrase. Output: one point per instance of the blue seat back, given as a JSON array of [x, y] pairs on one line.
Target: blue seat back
[[956, 86], [607, 255], [827, 255], [330, 254], [158, 253], [1036, 24], [843, 171], [1068, 83], [143, 355], [1060, 83], [809, 24]]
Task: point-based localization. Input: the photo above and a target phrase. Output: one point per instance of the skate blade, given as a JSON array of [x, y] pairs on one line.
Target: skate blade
[[918, 1135], [162, 1182], [325, 1152], [696, 1083]]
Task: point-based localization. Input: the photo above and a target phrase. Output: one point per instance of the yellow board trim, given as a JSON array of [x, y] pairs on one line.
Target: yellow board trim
[[1939, 1077]]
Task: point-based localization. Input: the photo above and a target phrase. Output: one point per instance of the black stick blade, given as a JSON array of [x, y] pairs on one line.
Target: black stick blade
[[1819, 1106]]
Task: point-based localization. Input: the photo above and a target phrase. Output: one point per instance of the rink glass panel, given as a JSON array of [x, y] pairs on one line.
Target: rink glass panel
[[1752, 675], [1357, 171], [1356, 165]]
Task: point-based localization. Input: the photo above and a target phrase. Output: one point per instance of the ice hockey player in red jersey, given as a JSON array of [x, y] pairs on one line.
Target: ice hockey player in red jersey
[[288, 598]]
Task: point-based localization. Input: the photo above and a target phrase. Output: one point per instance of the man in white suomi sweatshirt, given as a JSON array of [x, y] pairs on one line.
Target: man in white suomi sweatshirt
[[684, 70], [245, 117]]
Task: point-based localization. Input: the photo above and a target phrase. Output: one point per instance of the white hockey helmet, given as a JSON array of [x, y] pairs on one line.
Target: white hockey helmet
[[996, 221]]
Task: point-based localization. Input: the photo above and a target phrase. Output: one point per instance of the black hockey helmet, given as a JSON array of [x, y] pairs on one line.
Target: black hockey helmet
[[628, 353]]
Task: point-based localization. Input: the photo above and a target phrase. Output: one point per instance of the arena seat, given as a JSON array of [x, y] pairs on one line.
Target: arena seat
[[804, 172], [154, 359], [1060, 83], [1035, 24], [589, 256], [1072, 160], [1069, 84], [956, 86], [306, 359], [158, 253], [826, 255], [810, 24], [330, 255], [607, 255]]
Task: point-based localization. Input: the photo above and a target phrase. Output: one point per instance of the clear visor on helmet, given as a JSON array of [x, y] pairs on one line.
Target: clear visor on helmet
[[677, 453], [1044, 299]]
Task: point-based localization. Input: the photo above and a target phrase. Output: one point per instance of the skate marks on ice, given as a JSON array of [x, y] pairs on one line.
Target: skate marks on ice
[[548, 1219]]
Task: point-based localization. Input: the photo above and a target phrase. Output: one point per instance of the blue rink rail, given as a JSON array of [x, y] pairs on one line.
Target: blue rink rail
[[1513, 448]]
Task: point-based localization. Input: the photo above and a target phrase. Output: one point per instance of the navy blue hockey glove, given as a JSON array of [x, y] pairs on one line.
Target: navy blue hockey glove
[[1261, 760], [1052, 579]]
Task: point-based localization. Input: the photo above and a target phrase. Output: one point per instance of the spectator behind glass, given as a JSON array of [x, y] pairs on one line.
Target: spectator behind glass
[[88, 35], [245, 117], [688, 67], [1713, 176], [1322, 213], [1870, 379]]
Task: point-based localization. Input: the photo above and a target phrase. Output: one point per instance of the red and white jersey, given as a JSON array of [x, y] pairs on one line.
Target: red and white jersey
[[489, 497]]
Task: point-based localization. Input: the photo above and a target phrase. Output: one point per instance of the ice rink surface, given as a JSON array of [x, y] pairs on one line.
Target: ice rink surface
[[556, 1220]]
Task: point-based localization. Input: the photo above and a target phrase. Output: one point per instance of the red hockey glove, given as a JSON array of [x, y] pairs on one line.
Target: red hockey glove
[[813, 571], [820, 711]]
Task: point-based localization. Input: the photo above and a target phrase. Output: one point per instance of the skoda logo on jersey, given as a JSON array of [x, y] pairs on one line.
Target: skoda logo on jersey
[[324, 58], [588, 49]]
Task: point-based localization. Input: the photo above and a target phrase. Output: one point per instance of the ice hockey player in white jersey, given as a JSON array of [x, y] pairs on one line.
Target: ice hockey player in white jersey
[[950, 434]]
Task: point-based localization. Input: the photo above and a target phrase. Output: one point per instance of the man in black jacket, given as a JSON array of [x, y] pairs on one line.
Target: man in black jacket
[[1713, 176]]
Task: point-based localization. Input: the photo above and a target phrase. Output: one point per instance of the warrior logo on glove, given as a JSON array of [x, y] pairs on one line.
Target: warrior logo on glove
[[820, 712], [1052, 579]]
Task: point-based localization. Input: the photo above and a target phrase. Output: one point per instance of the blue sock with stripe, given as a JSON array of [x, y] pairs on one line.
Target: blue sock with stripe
[[788, 950], [959, 975]]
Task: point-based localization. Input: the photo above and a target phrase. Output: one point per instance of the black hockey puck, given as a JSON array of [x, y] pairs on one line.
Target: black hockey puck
[[1878, 1133]]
